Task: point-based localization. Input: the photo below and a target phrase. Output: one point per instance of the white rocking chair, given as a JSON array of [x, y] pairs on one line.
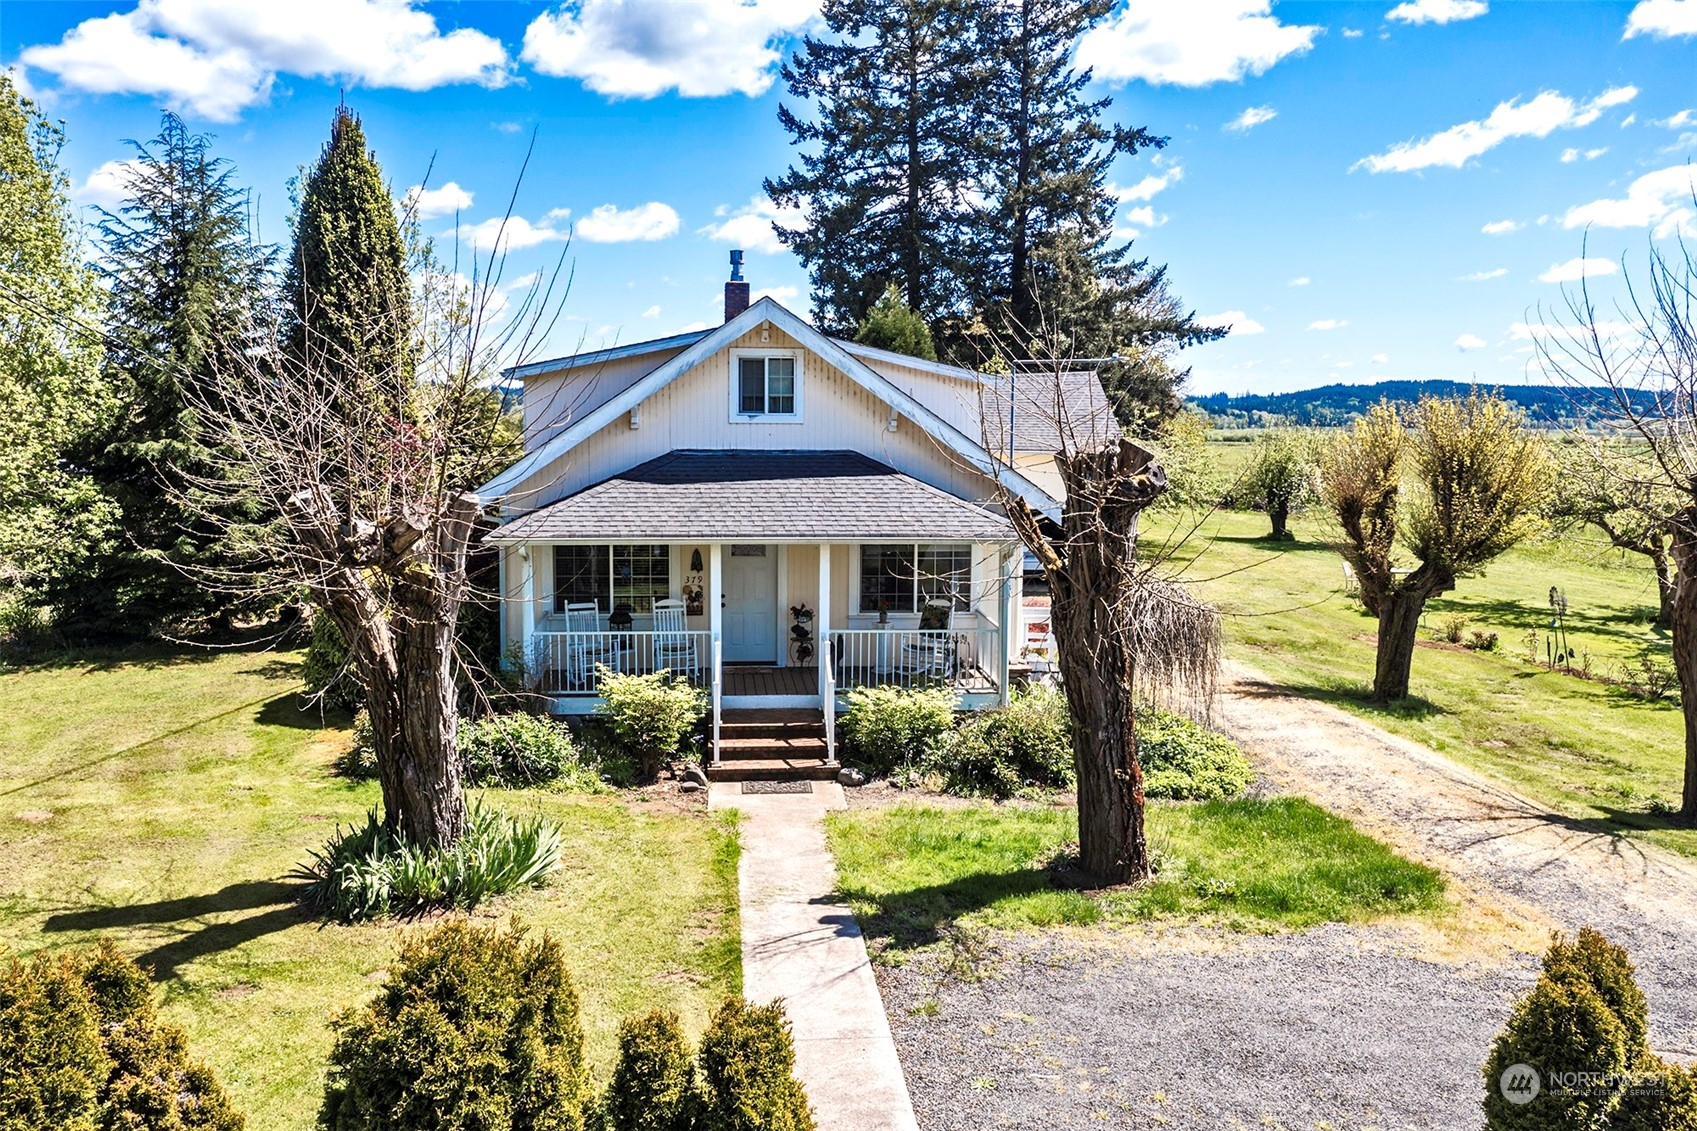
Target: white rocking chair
[[930, 651], [674, 644], [587, 645]]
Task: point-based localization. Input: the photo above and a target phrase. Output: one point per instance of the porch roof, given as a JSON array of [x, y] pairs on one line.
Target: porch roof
[[750, 496]]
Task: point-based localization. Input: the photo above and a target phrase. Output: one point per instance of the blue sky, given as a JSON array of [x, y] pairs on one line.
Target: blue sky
[[1366, 191]]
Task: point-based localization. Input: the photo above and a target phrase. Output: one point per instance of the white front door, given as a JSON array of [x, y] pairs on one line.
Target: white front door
[[751, 604]]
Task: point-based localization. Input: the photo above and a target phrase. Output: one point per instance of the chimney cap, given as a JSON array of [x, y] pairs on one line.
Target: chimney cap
[[736, 265]]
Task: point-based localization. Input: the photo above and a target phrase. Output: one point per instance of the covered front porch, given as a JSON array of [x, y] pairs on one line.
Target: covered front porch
[[771, 580]]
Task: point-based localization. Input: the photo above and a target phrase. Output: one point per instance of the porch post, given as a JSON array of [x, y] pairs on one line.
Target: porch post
[[715, 593], [1011, 560], [525, 556], [822, 634]]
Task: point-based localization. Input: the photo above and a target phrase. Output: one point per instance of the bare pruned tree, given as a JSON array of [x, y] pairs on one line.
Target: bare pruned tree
[[1123, 633], [1633, 369]]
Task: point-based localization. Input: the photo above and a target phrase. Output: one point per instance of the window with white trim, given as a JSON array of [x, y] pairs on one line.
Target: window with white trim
[[900, 577], [611, 576], [765, 385]]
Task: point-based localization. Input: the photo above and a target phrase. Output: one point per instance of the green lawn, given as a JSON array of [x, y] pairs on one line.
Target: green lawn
[[163, 802], [1586, 749], [910, 872]]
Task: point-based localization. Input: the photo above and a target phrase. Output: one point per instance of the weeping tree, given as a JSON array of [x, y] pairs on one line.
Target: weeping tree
[[1284, 476], [363, 421], [1123, 633], [1633, 372], [1462, 480]]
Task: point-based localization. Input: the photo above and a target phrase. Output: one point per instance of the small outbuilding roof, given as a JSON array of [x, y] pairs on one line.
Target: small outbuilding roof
[[753, 496]]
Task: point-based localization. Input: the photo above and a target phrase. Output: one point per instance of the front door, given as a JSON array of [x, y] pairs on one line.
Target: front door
[[751, 604]]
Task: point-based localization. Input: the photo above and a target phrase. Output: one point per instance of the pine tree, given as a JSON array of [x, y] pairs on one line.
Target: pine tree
[[186, 285], [348, 305], [891, 325], [886, 191], [52, 394]]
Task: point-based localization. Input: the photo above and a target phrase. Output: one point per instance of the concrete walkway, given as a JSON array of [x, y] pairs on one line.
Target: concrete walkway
[[799, 945]]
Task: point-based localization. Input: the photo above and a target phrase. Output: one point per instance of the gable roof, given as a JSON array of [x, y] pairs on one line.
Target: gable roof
[[1082, 418], [761, 496], [766, 309], [598, 357]]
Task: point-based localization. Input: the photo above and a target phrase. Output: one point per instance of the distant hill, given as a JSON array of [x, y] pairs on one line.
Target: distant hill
[[1550, 406]]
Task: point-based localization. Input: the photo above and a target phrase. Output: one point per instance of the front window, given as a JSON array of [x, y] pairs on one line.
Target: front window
[[611, 576], [766, 386], [901, 577]]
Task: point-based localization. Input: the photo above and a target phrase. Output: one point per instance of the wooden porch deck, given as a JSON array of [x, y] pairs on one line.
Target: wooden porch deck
[[757, 680]]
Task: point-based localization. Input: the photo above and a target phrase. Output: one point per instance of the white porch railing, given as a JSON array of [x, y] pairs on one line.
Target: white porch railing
[[565, 663], [830, 701], [718, 695], [963, 660]]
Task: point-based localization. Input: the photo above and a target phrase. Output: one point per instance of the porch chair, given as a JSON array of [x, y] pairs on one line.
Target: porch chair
[[674, 644], [587, 645], [930, 651]]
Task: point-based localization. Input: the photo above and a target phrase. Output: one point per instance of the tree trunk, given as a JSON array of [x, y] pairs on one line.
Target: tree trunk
[[1685, 648], [1399, 626], [410, 696], [1280, 514]]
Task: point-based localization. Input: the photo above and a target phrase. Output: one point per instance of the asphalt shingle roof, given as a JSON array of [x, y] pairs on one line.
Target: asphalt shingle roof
[[1051, 412], [749, 496]]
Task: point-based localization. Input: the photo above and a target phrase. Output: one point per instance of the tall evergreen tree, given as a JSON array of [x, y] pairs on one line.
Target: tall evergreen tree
[[347, 297], [886, 188], [186, 286], [52, 394]]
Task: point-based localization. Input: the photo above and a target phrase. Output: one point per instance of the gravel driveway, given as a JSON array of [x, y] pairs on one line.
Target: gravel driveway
[[1381, 1026]]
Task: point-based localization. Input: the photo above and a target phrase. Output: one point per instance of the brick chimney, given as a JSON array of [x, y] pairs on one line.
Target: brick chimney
[[736, 291]]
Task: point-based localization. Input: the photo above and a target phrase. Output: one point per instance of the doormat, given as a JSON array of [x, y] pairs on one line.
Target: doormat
[[777, 787]]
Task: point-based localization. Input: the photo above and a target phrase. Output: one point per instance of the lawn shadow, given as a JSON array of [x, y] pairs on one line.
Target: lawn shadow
[[1356, 697], [918, 917], [1268, 542], [275, 901], [295, 711]]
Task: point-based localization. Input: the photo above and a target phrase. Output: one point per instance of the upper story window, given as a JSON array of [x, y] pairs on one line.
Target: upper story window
[[765, 385]]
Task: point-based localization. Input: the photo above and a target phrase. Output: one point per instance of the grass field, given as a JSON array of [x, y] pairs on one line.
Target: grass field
[[1585, 748], [909, 872], [162, 803]]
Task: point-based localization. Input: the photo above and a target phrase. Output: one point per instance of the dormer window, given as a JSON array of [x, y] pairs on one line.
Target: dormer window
[[765, 386]]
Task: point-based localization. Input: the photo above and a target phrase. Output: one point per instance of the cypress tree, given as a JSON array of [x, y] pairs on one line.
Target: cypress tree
[[186, 286], [890, 325], [53, 397], [347, 298], [886, 190]]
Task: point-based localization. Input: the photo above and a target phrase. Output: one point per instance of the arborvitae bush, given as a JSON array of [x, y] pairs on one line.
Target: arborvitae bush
[[748, 1067], [82, 1047], [51, 1061], [653, 1086], [1663, 1097], [476, 1028], [1606, 968]]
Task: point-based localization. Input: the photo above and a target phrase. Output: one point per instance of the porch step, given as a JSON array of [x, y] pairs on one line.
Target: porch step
[[772, 769], [742, 749], [788, 724]]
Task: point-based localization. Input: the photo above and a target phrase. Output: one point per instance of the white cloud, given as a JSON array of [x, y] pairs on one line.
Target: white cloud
[[428, 204], [513, 233], [1575, 269], [106, 187], [651, 312], [1501, 227], [1379, 359], [645, 222], [1481, 276], [751, 226], [1454, 147], [1662, 199], [507, 127], [1250, 118], [1470, 342], [1144, 217], [1569, 156], [1149, 186], [1678, 121], [1662, 18], [1328, 324], [215, 58], [1241, 324], [639, 49], [1628, 120], [1299, 281], [1191, 44], [1353, 33], [779, 295], [1436, 11]]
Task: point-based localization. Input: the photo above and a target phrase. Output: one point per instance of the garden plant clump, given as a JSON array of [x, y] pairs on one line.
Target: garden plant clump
[[1185, 761], [514, 751], [368, 872], [649, 716]]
